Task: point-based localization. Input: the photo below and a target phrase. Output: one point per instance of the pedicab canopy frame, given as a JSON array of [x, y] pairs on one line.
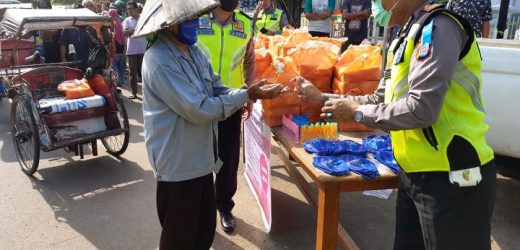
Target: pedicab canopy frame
[[21, 23]]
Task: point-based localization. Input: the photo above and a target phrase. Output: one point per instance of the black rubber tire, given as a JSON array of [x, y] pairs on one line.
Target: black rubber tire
[[116, 145], [24, 131]]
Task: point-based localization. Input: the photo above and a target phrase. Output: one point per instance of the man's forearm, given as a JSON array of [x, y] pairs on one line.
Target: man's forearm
[[312, 17], [63, 53], [353, 16]]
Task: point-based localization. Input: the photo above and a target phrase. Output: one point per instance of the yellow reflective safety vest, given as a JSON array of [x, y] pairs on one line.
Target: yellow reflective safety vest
[[269, 21], [461, 120], [226, 46]]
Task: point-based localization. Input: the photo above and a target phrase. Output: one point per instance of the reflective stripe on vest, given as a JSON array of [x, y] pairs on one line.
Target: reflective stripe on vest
[[461, 114], [269, 21], [226, 47]]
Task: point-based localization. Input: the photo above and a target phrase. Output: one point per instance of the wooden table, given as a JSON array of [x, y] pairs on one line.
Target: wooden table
[[328, 231]]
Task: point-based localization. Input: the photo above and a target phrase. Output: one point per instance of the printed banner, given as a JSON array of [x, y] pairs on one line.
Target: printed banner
[[257, 148]]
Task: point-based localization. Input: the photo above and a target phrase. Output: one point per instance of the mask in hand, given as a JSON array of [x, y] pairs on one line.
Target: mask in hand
[[381, 15]]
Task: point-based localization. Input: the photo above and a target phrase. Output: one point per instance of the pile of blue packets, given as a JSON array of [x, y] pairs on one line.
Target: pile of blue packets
[[324, 147], [339, 158]]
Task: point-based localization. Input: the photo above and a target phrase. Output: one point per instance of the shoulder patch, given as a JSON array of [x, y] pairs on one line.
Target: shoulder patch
[[425, 43]]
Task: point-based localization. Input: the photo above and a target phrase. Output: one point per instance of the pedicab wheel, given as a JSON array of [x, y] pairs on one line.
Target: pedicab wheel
[[117, 144], [26, 138]]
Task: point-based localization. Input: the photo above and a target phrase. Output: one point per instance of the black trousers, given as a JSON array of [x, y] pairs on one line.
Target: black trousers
[[187, 213], [135, 63], [433, 213], [229, 153]]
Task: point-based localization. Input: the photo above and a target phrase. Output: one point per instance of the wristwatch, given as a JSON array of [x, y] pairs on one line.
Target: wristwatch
[[358, 116]]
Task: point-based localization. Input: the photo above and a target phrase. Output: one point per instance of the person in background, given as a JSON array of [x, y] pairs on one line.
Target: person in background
[[105, 8], [135, 47], [89, 4], [356, 14], [477, 12], [268, 19], [431, 103], [119, 42], [41, 4], [183, 101], [75, 44], [225, 36], [121, 9], [140, 8], [319, 12]]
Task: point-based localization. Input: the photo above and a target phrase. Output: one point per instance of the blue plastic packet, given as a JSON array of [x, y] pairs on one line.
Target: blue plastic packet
[[387, 159], [362, 166], [324, 147], [331, 165], [376, 143]]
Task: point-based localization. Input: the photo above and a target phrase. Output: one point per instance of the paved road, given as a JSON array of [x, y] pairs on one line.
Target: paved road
[[108, 203]]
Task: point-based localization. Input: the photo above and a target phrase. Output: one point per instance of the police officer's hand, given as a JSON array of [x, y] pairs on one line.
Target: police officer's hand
[[306, 90], [265, 90], [339, 110]]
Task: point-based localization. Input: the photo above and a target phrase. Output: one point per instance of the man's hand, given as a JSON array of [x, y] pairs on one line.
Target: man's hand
[[306, 90], [248, 110], [339, 110], [259, 7], [265, 90]]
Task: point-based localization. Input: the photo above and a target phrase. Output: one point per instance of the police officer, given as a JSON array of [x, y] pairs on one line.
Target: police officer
[[431, 102], [225, 37], [268, 19]]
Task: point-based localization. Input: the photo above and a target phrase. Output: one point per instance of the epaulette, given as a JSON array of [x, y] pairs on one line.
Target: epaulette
[[432, 7], [245, 14]]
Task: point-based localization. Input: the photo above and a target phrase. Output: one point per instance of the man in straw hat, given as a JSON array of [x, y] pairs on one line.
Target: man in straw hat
[[183, 102]]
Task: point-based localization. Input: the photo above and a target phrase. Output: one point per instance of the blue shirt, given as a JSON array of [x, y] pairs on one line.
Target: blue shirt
[[182, 104]]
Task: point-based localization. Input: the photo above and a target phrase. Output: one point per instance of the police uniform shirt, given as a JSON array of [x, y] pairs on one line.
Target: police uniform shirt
[[428, 82], [249, 57]]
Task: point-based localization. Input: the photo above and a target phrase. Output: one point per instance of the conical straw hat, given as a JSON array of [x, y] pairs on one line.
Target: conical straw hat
[[159, 14]]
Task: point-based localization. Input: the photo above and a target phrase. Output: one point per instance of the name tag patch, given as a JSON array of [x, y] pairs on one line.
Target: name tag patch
[[424, 50], [205, 27], [238, 29]]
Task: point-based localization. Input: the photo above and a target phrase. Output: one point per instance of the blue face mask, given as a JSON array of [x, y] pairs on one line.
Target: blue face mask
[[381, 15], [188, 31]]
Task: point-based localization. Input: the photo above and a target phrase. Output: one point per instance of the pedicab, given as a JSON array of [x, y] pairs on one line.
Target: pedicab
[[45, 119]]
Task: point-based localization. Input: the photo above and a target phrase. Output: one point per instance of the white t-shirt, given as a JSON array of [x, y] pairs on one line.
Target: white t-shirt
[[134, 46], [320, 25]]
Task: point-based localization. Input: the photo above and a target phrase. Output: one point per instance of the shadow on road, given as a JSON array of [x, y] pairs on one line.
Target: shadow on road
[[110, 202]]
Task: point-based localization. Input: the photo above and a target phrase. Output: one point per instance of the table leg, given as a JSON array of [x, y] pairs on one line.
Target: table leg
[[328, 216]]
